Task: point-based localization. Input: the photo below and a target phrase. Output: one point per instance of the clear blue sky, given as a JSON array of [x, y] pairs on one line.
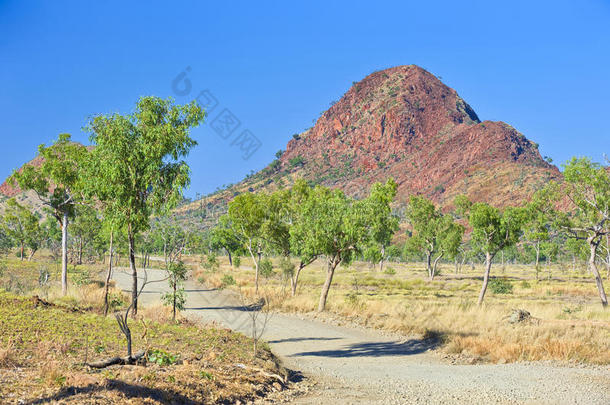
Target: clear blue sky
[[543, 67]]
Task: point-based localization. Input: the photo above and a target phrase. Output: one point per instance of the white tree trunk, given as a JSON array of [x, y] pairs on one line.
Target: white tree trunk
[[64, 254], [488, 260]]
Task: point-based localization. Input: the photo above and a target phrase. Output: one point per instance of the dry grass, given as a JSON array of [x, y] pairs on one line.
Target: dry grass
[[569, 323], [44, 349]]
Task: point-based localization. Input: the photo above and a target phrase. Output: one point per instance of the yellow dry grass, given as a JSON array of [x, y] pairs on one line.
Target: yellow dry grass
[[568, 322]]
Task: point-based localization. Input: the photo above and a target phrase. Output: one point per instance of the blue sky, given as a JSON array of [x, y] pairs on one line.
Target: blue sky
[[540, 66]]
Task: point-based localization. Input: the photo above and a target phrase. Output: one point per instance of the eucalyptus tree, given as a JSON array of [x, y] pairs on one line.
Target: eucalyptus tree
[[299, 220], [383, 224], [20, 225], [492, 230], [58, 183], [587, 187], [433, 233], [537, 228], [85, 228], [223, 236], [138, 167], [247, 214]]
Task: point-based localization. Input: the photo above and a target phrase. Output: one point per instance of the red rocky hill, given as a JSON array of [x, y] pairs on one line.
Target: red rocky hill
[[404, 123]]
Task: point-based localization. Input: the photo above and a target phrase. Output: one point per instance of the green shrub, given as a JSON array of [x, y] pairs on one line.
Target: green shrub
[[162, 358], [237, 262], [227, 280], [210, 262], [296, 161], [353, 300], [501, 286], [389, 271], [265, 268], [525, 284], [287, 267]]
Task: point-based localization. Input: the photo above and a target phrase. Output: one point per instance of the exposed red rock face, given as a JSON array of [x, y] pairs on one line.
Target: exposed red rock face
[[8, 190], [405, 123]]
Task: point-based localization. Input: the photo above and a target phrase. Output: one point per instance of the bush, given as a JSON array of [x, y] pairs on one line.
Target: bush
[[210, 262], [353, 300], [525, 284], [227, 280], [296, 161], [266, 268], [237, 262], [389, 271], [501, 286], [287, 267], [161, 357]]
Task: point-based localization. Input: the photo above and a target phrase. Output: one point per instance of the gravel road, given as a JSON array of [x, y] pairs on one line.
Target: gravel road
[[355, 366]]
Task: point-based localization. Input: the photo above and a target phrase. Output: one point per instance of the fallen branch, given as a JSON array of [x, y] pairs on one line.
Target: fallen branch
[[263, 372], [118, 360]]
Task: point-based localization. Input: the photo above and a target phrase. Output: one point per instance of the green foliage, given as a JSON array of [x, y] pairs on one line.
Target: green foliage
[[137, 165], [227, 280], [266, 268], [296, 161], [287, 267], [20, 225], [237, 261], [210, 262], [390, 271], [354, 301], [223, 236], [494, 230], [59, 178], [175, 299], [162, 358], [525, 284], [501, 286], [433, 233]]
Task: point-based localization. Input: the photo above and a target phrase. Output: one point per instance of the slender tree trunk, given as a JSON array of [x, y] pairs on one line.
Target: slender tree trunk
[[537, 247], [593, 268], [174, 315], [134, 273], [255, 266], [434, 266], [429, 264], [230, 258], [64, 254], [488, 260], [295, 279], [608, 256], [108, 275], [382, 258], [21, 251], [330, 272], [80, 251]]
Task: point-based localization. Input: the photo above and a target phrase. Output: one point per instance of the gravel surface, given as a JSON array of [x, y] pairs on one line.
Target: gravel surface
[[345, 365]]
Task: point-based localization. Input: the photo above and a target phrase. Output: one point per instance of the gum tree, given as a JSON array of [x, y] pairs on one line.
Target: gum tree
[[139, 168], [247, 214], [587, 187], [434, 233], [58, 183], [20, 225], [492, 230], [382, 224]]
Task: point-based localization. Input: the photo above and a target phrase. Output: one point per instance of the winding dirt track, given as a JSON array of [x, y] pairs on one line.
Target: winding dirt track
[[353, 366]]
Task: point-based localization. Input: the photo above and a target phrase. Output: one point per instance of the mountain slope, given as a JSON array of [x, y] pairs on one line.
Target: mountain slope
[[404, 123]]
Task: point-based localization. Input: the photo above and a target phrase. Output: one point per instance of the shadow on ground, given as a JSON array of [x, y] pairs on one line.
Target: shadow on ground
[[302, 339], [377, 349], [92, 392]]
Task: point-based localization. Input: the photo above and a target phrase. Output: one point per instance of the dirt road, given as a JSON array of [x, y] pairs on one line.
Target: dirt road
[[353, 366]]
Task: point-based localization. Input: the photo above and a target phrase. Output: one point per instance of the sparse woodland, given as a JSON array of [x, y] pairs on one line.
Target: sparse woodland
[[305, 248]]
